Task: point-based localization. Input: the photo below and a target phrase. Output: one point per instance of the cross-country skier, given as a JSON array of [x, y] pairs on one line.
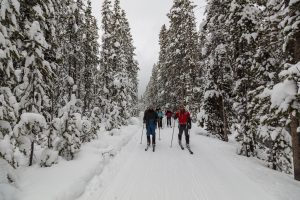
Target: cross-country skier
[[150, 119], [160, 115], [169, 115], [184, 121]]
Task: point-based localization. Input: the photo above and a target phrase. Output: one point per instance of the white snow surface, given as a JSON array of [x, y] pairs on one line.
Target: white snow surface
[[68, 179], [214, 172], [118, 168]]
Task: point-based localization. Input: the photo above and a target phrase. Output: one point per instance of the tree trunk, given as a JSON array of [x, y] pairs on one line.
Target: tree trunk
[[294, 119], [225, 123], [296, 145], [31, 153]]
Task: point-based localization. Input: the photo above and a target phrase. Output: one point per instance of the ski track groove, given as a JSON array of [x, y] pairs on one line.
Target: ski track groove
[[174, 174]]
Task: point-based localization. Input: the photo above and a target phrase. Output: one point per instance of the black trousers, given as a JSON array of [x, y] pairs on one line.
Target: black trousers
[[169, 121], [183, 128], [159, 122], [149, 140]]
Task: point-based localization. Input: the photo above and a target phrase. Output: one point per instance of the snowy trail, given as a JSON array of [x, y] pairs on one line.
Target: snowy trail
[[214, 172]]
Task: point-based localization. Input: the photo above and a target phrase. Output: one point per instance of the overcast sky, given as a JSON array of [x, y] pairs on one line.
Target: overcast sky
[[146, 18]]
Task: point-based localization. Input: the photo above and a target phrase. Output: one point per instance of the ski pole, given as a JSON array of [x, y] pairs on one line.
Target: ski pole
[[142, 133], [159, 132], [173, 133]]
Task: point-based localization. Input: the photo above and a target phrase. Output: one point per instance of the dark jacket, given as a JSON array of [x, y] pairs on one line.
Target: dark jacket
[[150, 115]]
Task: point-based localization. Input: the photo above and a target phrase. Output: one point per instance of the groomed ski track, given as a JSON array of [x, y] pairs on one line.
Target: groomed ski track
[[214, 172]]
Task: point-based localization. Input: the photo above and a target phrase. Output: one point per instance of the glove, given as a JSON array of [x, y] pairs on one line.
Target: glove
[[189, 125]]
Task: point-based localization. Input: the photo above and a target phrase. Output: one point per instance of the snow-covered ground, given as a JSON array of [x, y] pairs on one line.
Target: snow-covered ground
[[214, 172], [67, 180], [118, 168]]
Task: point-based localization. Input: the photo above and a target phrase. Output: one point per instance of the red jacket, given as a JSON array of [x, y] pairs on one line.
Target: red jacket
[[169, 114], [183, 117]]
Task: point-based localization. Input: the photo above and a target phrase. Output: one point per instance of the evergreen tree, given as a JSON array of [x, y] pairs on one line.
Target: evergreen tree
[[34, 90], [8, 118], [290, 77], [106, 77], [242, 23], [70, 138], [9, 53], [183, 52], [90, 47], [164, 88], [64, 81], [131, 65], [120, 83], [106, 53], [217, 98], [271, 134], [153, 87], [118, 70], [9, 35]]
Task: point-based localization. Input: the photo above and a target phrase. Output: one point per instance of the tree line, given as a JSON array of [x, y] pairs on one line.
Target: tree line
[[239, 74], [57, 86]]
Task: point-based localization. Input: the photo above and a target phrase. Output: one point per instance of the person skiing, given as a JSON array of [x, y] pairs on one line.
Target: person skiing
[[150, 119], [169, 116], [184, 123], [160, 115]]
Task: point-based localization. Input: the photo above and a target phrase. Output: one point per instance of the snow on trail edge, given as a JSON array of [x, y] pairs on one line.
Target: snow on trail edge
[[68, 179]]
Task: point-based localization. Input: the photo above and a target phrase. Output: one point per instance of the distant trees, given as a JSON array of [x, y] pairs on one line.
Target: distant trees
[[178, 66]]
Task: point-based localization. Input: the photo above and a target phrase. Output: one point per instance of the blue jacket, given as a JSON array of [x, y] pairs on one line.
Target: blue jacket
[[160, 114]]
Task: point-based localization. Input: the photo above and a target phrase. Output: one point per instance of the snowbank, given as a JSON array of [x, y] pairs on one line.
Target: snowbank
[[68, 179]]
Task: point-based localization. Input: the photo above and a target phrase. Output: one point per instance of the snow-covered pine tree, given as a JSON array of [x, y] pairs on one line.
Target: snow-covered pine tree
[[106, 54], [91, 74], [164, 88], [120, 83], [9, 53], [146, 97], [131, 65], [90, 48], [8, 118], [290, 77], [64, 32], [192, 60], [217, 98], [242, 22], [204, 52], [71, 120], [95, 120], [50, 53], [34, 89], [120, 86], [153, 87], [270, 129], [183, 52], [71, 36], [9, 34], [106, 74], [96, 52], [78, 57]]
